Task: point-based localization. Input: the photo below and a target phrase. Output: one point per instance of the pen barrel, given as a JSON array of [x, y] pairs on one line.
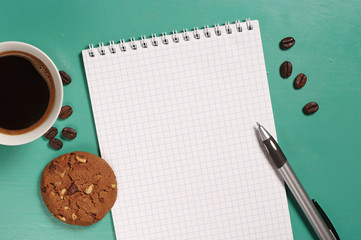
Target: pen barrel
[[304, 201]]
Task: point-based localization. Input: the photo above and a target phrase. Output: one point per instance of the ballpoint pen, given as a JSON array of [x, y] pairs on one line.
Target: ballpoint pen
[[318, 219]]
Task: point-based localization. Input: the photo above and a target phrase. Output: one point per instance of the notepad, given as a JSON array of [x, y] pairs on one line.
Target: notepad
[[175, 117]]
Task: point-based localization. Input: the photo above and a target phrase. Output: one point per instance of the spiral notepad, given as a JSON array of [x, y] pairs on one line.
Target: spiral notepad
[[175, 117]]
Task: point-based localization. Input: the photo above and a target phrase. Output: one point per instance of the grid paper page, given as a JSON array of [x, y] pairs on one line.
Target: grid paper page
[[177, 124]]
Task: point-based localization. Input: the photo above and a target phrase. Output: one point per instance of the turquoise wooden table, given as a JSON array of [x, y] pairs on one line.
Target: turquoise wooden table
[[322, 148]]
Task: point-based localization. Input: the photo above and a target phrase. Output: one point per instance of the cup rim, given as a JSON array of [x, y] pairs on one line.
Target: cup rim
[[19, 139]]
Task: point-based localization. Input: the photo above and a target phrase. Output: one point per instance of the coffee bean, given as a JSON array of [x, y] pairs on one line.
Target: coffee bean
[[69, 133], [310, 108], [65, 77], [52, 132], [286, 69], [287, 43], [300, 81], [56, 143], [65, 112]]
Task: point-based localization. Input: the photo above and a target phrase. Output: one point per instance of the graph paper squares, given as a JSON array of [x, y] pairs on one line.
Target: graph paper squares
[[177, 124]]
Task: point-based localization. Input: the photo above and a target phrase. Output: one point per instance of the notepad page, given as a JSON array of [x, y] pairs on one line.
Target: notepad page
[[177, 124]]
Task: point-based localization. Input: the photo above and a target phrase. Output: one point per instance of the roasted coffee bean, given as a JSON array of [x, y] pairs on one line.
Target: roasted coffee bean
[[300, 81], [310, 108], [56, 143], [287, 43], [65, 112], [65, 77], [69, 133], [286, 69], [52, 132], [72, 189]]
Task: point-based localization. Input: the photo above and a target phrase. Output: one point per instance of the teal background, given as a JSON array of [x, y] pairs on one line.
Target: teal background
[[322, 148]]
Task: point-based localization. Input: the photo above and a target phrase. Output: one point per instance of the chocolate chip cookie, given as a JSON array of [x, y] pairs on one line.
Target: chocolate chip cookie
[[78, 188]]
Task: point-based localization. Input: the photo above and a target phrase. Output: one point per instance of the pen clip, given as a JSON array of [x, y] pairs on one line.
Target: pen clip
[[326, 219]]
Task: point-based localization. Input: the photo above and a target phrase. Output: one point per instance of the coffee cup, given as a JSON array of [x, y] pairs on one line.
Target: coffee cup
[[31, 93]]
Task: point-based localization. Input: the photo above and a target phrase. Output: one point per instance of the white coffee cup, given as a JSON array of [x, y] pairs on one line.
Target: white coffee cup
[[18, 139]]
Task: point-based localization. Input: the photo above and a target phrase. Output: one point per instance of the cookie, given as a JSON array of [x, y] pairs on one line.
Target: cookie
[[78, 188]]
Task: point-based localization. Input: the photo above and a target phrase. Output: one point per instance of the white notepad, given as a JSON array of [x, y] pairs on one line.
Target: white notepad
[[176, 121]]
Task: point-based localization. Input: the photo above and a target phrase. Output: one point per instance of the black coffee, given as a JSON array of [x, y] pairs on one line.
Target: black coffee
[[26, 92]]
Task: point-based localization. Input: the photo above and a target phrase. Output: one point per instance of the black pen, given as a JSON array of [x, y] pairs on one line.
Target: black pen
[[318, 219]]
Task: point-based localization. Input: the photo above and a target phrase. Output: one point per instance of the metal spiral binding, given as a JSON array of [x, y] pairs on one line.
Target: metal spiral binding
[[143, 42], [122, 46], [228, 28], [175, 36], [91, 50], [217, 30], [238, 26], [164, 38], [101, 49], [111, 47], [185, 35], [196, 33], [249, 24], [153, 41], [207, 33], [133, 45]]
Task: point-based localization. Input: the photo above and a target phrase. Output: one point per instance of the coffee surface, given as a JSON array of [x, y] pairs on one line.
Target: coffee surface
[[26, 92]]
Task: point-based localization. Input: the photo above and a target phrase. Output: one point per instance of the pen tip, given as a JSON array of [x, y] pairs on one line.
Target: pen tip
[[258, 124]]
